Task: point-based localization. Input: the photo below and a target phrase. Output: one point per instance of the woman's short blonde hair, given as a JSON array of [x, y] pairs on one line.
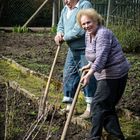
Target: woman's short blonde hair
[[91, 13]]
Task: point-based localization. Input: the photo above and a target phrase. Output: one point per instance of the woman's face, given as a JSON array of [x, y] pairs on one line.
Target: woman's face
[[88, 24]]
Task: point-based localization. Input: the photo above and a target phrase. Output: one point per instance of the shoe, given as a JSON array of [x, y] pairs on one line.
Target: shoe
[[67, 100], [85, 115], [64, 111]]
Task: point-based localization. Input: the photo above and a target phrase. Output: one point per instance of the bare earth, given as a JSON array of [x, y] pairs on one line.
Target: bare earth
[[40, 49]]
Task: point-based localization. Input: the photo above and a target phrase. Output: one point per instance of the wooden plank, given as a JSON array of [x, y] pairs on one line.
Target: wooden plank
[[32, 29]]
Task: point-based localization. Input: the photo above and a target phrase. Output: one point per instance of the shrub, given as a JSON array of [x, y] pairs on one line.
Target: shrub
[[129, 37], [131, 41], [53, 29]]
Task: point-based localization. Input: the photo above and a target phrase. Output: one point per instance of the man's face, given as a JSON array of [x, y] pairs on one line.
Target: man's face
[[70, 3]]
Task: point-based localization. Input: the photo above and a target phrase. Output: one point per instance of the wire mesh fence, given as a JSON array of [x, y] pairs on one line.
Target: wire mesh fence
[[120, 12], [123, 18], [17, 12]]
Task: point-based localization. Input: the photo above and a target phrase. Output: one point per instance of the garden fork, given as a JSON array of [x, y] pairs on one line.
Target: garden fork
[[80, 85], [43, 103]]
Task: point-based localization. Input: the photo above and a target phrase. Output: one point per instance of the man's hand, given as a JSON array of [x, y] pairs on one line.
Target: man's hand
[[58, 38]]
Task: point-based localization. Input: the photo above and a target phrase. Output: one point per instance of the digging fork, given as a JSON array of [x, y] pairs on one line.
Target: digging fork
[[42, 106], [72, 107], [80, 85]]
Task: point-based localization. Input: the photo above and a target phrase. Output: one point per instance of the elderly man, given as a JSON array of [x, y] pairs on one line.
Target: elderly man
[[70, 32]]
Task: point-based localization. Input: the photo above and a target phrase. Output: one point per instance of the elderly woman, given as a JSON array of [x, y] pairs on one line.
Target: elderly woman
[[110, 67]]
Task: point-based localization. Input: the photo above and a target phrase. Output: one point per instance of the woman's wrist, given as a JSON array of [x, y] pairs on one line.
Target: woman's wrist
[[90, 72], [89, 64]]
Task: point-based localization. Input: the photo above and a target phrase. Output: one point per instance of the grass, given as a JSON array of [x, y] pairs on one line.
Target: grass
[[133, 83], [31, 83], [35, 66], [130, 128]]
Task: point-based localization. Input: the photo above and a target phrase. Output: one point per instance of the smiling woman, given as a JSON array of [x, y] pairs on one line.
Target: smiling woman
[[110, 68]]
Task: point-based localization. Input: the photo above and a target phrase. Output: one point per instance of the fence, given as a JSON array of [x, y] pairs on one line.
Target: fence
[[120, 11], [17, 12]]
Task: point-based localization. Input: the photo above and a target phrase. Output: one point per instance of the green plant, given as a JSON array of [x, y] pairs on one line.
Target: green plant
[[129, 37], [32, 113], [131, 41], [19, 29], [53, 29]]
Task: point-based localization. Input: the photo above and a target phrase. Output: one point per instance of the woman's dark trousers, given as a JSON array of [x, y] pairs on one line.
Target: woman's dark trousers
[[107, 95]]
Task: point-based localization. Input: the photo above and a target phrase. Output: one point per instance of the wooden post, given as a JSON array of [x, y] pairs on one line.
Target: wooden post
[[54, 13], [108, 13]]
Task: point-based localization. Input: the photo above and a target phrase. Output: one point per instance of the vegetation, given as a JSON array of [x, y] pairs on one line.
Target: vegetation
[[19, 29], [129, 37], [33, 84], [54, 29]]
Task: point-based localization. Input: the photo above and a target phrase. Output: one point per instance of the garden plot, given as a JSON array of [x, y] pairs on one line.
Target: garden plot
[[36, 52]]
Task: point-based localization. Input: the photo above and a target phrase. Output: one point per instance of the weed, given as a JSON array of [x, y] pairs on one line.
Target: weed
[[19, 29]]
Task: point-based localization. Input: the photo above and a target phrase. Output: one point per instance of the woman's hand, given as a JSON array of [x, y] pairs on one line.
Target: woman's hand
[[86, 78], [85, 67]]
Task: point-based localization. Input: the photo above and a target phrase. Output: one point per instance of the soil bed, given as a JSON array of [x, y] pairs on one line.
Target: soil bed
[[24, 114], [36, 51]]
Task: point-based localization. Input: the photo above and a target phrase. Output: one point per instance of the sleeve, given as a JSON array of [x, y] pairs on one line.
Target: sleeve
[[60, 25], [75, 33], [103, 47]]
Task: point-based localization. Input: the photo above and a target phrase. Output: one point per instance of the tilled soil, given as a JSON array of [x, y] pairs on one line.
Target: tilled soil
[[33, 48], [41, 49], [20, 113]]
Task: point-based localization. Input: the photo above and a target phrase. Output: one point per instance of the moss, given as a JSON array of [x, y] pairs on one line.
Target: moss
[[31, 83]]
